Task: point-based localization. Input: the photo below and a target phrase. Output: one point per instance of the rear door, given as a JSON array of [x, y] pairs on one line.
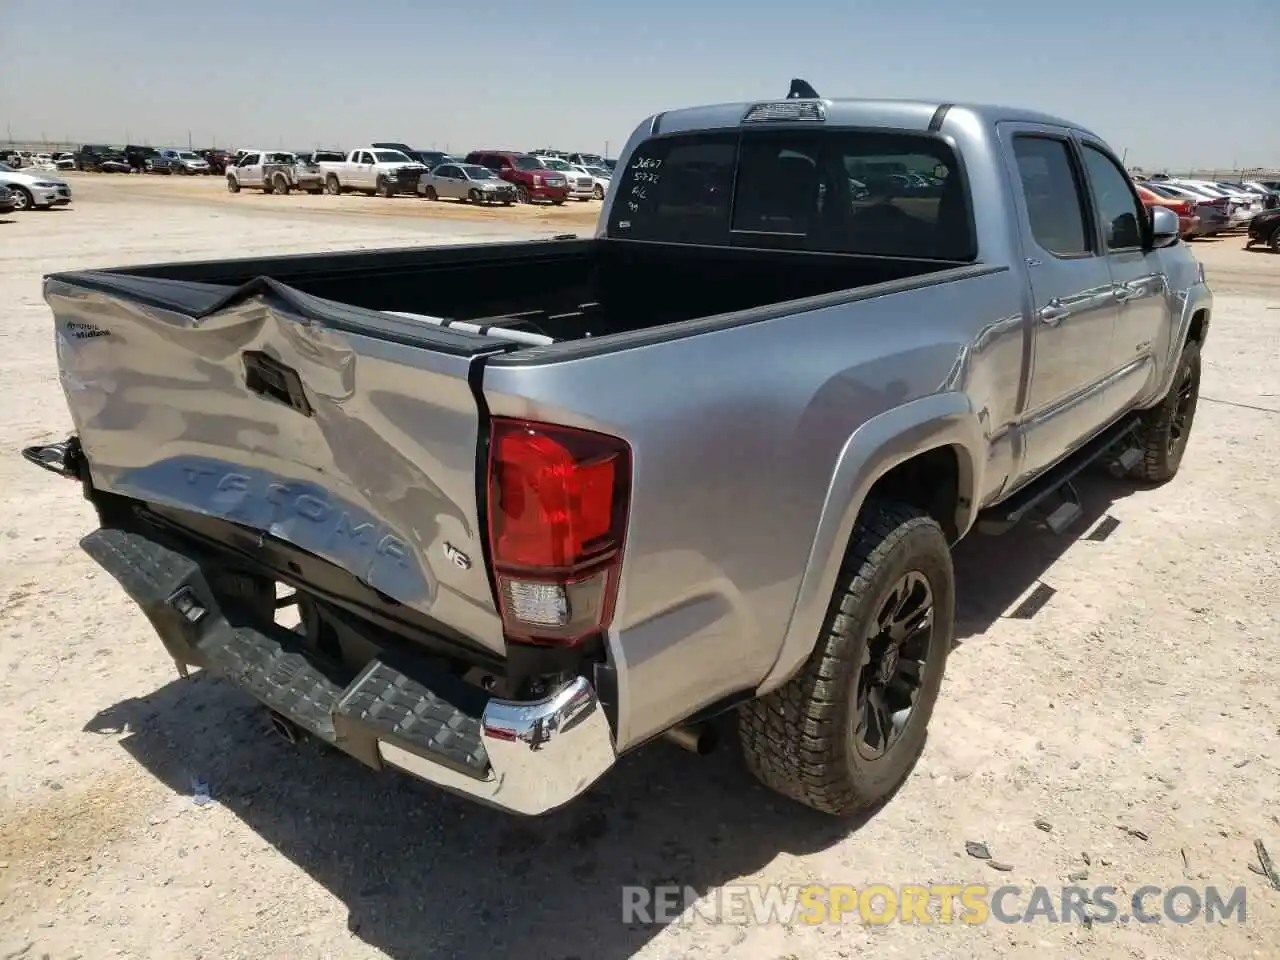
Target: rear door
[[345, 431], [1074, 309]]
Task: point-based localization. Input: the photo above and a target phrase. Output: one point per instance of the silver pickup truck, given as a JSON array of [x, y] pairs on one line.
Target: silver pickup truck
[[531, 505]]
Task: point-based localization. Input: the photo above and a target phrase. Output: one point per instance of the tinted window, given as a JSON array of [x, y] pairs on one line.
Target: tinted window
[[677, 189], [1055, 210], [445, 170], [1118, 211], [837, 191]]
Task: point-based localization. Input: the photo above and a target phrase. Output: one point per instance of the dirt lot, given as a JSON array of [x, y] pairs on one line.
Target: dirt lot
[[1135, 713]]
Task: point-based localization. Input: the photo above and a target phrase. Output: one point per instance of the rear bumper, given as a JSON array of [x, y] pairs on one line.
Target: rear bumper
[[523, 757]]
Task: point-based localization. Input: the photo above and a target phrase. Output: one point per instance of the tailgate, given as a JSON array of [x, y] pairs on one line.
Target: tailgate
[[346, 432]]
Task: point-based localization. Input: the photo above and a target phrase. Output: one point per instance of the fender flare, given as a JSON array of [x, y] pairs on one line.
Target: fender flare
[[1199, 299], [875, 448]]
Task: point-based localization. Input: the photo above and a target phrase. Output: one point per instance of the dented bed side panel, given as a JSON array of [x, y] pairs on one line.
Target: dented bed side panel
[[377, 477]]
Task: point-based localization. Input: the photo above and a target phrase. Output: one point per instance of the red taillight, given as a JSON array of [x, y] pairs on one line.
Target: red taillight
[[558, 500]]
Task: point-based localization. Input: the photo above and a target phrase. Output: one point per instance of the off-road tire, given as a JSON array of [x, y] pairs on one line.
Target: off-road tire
[[280, 185], [1161, 451], [233, 185], [799, 740]]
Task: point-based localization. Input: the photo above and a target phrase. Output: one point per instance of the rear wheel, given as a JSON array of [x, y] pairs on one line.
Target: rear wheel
[[559, 202], [281, 185], [1166, 428], [843, 734]]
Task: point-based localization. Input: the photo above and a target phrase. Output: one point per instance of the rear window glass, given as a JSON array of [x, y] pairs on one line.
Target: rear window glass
[[840, 191]]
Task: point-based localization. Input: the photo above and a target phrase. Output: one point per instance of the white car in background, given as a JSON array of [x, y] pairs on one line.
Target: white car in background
[[581, 186], [600, 177], [32, 188], [1243, 205]]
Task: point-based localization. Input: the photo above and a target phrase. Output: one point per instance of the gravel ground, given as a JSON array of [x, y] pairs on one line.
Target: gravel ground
[[1135, 714]]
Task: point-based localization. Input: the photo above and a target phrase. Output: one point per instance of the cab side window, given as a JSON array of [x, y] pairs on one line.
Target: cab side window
[[1118, 210], [1052, 191]]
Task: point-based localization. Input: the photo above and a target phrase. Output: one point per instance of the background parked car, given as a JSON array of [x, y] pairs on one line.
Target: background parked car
[[322, 156], [581, 185], [600, 178], [64, 160], [1211, 212], [186, 162], [216, 159], [145, 159], [7, 203], [101, 159], [1239, 210], [274, 171], [1265, 228], [466, 181], [431, 158], [525, 172], [1188, 222]]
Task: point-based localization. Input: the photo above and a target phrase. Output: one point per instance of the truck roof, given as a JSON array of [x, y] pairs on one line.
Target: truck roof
[[902, 114]]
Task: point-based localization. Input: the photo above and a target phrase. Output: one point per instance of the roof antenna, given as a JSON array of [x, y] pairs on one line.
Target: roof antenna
[[800, 90]]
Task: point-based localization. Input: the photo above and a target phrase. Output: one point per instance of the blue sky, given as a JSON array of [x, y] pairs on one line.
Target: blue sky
[[1196, 86]]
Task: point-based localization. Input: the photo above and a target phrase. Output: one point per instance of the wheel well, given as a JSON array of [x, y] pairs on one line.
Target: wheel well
[[1199, 323], [929, 481]]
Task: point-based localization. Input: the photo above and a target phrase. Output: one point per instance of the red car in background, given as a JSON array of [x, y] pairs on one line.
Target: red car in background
[[531, 179], [1188, 222]]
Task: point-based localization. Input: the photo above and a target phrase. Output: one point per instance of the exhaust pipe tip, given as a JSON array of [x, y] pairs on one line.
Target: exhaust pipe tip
[[697, 738], [285, 727]]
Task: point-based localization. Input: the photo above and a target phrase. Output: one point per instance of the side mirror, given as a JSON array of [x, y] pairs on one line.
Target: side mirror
[[1164, 227]]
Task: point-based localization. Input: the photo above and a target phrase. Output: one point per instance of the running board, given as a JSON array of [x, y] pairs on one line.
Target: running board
[[1116, 441]]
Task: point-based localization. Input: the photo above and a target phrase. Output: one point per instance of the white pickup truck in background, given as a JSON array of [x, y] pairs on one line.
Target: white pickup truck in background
[[373, 170]]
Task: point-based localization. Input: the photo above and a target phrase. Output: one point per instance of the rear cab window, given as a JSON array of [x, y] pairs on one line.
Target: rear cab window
[[836, 190], [1052, 190]]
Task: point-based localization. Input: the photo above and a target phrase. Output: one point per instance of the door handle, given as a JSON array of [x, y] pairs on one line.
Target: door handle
[[1053, 312], [1122, 293]]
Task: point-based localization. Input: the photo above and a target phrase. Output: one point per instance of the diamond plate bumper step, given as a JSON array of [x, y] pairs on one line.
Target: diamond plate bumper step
[[527, 757]]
